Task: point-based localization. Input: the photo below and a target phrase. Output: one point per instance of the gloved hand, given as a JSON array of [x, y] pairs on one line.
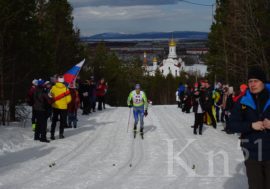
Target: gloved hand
[[145, 113], [130, 106]]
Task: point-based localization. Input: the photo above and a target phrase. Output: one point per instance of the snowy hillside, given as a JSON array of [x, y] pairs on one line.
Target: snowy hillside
[[101, 154]]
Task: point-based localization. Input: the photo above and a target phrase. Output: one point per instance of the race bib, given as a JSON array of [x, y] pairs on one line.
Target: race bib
[[137, 99]]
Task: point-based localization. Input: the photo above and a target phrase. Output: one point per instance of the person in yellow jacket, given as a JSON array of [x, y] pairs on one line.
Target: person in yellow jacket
[[61, 98]]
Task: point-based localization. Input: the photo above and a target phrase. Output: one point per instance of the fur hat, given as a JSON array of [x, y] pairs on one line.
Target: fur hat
[[256, 72]]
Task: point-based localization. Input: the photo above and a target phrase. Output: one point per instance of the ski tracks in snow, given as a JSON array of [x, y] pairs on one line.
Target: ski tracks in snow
[[101, 154]]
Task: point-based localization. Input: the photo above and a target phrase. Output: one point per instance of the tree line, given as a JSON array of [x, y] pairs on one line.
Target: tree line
[[239, 39], [37, 40]]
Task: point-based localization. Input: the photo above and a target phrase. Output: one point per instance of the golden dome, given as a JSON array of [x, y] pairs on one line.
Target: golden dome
[[172, 43]]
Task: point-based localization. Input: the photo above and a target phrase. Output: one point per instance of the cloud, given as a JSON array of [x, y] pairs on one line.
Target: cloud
[[126, 13], [89, 3], [131, 18]]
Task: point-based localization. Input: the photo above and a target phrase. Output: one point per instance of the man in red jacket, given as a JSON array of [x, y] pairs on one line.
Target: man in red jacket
[[101, 91]]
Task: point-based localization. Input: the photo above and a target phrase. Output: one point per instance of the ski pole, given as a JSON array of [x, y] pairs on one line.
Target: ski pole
[[128, 119]]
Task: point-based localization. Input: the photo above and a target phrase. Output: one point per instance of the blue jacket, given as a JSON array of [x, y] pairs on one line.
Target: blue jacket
[[243, 114], [181, 89]]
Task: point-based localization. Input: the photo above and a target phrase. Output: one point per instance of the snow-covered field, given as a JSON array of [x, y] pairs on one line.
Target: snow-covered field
[[101, 154]]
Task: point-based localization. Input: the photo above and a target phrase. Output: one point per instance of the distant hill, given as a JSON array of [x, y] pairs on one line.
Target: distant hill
[[189, 35]]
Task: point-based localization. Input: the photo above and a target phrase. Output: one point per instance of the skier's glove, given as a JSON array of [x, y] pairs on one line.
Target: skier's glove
[[130, 106], [145, 113]]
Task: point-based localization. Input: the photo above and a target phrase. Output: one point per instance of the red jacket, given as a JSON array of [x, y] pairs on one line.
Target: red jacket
[[75, 101], [101, 89], [236, 98]]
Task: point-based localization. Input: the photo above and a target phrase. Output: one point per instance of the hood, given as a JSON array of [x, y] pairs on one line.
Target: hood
[[60, 85]]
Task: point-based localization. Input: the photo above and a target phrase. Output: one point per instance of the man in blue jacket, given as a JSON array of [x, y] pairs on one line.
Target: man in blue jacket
[[250, 116]]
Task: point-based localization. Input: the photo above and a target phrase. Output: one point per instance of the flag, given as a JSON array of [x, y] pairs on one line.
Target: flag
[[71, 74]]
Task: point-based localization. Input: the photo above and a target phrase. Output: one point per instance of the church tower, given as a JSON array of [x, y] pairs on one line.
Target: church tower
[[172, 49], [155, 64]]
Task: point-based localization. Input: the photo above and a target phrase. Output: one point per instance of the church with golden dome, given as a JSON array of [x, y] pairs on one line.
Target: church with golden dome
[[172, 64]]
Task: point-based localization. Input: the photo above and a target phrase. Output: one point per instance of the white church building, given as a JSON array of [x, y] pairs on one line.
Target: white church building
[[173, 64]]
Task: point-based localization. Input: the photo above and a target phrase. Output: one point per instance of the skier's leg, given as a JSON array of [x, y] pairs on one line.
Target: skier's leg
[[136, 117]]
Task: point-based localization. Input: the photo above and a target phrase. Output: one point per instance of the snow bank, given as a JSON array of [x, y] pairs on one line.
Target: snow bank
[[13, 138]]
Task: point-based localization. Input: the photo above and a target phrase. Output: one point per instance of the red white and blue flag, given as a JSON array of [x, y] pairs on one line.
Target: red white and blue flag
[[71, 74]]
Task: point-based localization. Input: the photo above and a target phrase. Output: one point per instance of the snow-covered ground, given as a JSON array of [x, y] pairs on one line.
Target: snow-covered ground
[[101, 154]]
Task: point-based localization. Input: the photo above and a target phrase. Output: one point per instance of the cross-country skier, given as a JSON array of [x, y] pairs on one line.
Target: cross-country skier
[[140, 105]]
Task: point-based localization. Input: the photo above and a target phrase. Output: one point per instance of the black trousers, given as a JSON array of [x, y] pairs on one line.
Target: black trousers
[[86, 105], [198, 122], [41, 125], [63, 120], [258, 173], [100, 102], [34, 117]]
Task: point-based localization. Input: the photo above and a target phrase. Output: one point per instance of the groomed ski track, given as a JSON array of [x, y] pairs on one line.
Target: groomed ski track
[[101, 154]]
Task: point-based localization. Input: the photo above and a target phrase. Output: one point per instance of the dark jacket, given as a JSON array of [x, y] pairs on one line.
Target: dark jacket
[[92, 90], [208, 98], [196, 100], [41, 100], [246, 111], [229, 103]]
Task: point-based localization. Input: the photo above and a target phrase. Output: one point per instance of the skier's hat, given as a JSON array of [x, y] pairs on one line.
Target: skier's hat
[[137, 86]]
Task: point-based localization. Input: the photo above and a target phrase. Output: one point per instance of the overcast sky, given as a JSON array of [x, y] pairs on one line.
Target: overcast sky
[[136, 16]]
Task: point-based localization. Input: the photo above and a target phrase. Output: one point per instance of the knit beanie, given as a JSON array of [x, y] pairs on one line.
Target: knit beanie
[[257, 73]]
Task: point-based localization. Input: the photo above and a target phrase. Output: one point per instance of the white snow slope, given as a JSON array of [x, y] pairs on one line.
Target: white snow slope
[[101, 154]]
